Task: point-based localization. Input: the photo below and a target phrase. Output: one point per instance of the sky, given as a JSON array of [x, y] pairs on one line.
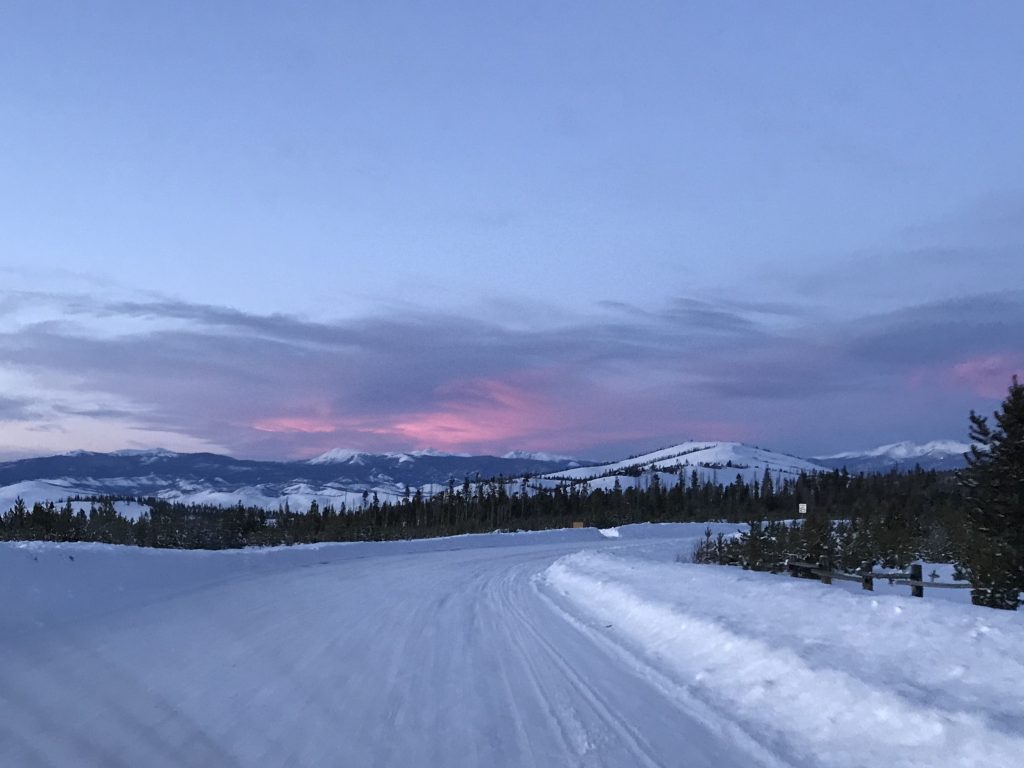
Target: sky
[[270, 229]]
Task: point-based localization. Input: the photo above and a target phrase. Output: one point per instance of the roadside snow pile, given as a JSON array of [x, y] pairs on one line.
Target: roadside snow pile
[[833, 678]]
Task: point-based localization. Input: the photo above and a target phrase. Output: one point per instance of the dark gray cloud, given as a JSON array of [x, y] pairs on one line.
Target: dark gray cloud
[[940, 331], [971, 251], [278, 384], [95, 412], [15, 409]]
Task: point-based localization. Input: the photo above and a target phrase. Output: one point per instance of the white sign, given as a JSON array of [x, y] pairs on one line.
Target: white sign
[[803, 509]]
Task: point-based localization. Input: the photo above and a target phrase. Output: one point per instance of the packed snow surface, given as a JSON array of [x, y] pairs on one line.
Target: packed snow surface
[[563, 648]]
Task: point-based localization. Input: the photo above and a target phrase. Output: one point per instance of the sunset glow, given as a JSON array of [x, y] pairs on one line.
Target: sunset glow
[[988, 376], [507, 230]]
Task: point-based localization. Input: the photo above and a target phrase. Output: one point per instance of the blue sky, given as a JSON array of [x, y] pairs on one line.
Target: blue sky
[[272, 228]]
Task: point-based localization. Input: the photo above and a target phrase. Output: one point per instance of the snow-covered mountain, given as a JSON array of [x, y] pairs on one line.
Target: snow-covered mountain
[[355, 456], [351, 477], [339, 456], [338, 476], [937, 454], [542, 456], [712, 462]]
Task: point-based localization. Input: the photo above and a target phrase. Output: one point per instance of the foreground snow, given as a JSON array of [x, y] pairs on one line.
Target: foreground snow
[[832, 678], [561, 648]]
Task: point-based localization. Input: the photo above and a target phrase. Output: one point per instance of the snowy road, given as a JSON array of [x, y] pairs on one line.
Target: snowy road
[[476, 651]]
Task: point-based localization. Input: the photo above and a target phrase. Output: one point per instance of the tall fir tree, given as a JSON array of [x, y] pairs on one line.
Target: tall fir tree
[[993, 555]]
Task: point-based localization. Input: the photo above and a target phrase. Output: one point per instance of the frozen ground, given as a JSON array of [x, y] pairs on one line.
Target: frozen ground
[[565, 648]]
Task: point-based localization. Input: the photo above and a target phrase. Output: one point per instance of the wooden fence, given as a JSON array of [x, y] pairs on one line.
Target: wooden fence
[[866, 575]]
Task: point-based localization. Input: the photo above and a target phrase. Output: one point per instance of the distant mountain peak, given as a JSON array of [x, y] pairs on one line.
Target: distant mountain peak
[[358, 457], [125, 453], [434, 452], [339, 456], [906, 449], [711, 460], [144, 452], [539, 456], [934, 454]]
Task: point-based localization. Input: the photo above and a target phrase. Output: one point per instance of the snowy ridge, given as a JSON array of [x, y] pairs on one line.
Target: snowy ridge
[[434, 452], [936, 454], [718, 462], [540, 456], [337, 456], [352, 477], [355, 456], [297, 495], [31, 491], [908, 450], [340, 456], [148, 452], [341, 476]]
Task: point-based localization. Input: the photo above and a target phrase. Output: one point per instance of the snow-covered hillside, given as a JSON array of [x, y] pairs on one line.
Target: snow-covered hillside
[[544, 649], [352, 477], [936, 454], [340, 476], [712, 461]]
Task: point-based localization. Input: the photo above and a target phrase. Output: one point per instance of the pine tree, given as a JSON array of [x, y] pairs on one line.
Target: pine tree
[[767, 487], [993, 556], [752, 544]]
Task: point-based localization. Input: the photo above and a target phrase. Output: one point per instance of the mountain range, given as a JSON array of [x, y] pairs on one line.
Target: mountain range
[[714, 462], [350, 477], [937, 454], [338, 476]]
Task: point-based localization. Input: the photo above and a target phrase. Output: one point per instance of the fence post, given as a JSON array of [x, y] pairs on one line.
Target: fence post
[[867, 577], [917, 575], [826, 570]]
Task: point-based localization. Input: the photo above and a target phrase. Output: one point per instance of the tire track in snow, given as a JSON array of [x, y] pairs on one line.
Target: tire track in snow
[[582, 739], [679, 697]]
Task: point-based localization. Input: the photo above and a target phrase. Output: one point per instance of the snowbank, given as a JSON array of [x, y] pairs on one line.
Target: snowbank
[[836, 678]]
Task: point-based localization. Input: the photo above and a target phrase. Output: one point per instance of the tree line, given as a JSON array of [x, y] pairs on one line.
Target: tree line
[[902, 509], [976, 522]]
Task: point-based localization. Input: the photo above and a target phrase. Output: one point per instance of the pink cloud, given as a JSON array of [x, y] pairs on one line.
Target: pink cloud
[[987, 376], [476, 413], [468, 414], [537, 410]]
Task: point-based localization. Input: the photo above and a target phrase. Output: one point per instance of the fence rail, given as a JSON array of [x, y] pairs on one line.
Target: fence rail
[[866, 575]]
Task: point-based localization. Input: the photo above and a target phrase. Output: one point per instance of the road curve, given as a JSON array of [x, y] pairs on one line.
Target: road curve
[[426, 654]]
